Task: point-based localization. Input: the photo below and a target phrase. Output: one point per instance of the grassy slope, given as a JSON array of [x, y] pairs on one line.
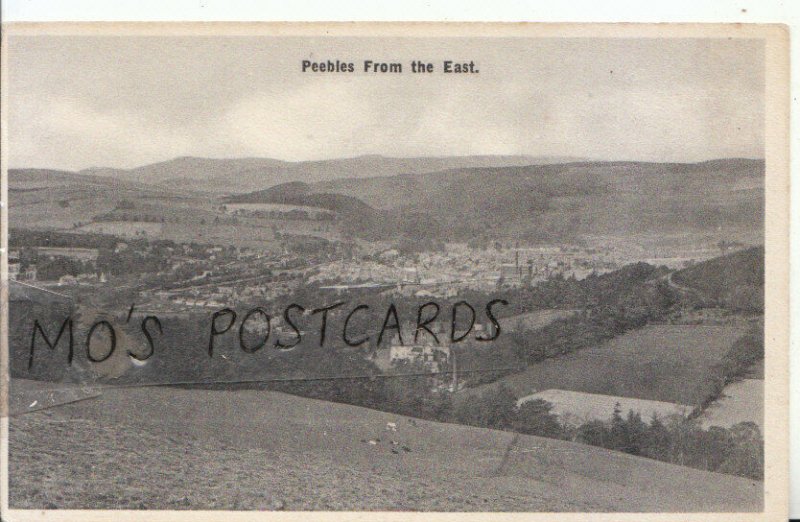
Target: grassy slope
[[547, 202], [661, 362], [171, 448], [539, 202], [247, 174], [597, 198], [718, 277], [35, 197]]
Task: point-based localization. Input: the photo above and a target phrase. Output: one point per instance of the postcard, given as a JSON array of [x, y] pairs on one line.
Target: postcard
[[384, 271]]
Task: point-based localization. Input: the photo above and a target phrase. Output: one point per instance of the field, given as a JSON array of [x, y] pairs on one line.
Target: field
[[243, 234], [266, 207], [124, 228], [741, 401], [85, 204], [171, 448], [667, 363], [42, 208], [575, 408], [534, 320]]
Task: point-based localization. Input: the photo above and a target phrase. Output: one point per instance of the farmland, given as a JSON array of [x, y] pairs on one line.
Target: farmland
[[667, 363], [741, 401], [43, 208], [88, 204], [576, 408], [535, 319], [270, 207], [125, 229], [178, 449]]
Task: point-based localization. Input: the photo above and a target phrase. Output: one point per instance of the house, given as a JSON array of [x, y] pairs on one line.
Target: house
[[67, 280], [14, 269], [424, 351]]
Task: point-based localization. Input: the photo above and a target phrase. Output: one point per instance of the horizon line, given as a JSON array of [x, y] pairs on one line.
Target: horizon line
[[566, 160]]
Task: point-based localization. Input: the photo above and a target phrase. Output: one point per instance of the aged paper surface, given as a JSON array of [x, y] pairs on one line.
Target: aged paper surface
[[395, 271]]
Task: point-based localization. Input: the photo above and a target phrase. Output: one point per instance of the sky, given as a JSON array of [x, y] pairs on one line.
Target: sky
[[77, 102]]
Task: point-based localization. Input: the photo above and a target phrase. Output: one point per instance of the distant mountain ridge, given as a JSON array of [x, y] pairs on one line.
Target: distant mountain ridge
[[230, 176], [535, 202], [554, 201]]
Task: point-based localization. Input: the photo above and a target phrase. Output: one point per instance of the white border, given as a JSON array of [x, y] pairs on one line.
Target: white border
[[761, 11]]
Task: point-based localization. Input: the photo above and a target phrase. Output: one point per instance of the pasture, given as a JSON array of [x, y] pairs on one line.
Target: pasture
[[534, 320], [741, 401], [126, 229], [170, 448], [576, 408], [669, 363]]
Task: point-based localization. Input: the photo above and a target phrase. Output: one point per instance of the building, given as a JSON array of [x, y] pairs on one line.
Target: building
[[16, 273], [82, 254], [14, 269], [426, 351]]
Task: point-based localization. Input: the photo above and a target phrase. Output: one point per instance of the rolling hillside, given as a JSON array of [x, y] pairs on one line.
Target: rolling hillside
[[734, 281], [669, 363], [550, 202], [536, 202], [228, 176], [298, 193], [170, 448], [40, 198], [566, 200]]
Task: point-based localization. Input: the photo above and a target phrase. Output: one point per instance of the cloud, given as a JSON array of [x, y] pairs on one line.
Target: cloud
[[72, 130], [320, 117], [650, 100]]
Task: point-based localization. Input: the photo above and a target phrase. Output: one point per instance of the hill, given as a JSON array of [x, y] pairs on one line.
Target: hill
[[564, 201], [168, 448], [733, 281], [388, 197], [669, 363], [41, 198], [299, 193], [228, 176], [554, 202]]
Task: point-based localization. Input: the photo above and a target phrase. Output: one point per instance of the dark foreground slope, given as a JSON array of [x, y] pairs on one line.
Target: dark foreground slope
[[179, 449]]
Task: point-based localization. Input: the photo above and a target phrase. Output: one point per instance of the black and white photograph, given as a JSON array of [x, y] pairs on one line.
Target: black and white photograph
[[332, 270]]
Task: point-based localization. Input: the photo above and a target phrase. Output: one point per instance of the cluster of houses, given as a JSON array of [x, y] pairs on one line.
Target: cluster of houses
[[441, 274], [16, 272], [28, 272]]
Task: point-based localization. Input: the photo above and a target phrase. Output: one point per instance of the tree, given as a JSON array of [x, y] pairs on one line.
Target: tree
[[495, 408], [409, 392], [747, 457], [635, 432], [535, 418], [594, 433], [656, 440]]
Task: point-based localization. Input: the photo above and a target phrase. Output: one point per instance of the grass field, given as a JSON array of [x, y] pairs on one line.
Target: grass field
[[36, 212], [575, 408], [124, 228], [41, 200], [667, 363], [179, 449], [534, 320], [741, 401], [232, 207]]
